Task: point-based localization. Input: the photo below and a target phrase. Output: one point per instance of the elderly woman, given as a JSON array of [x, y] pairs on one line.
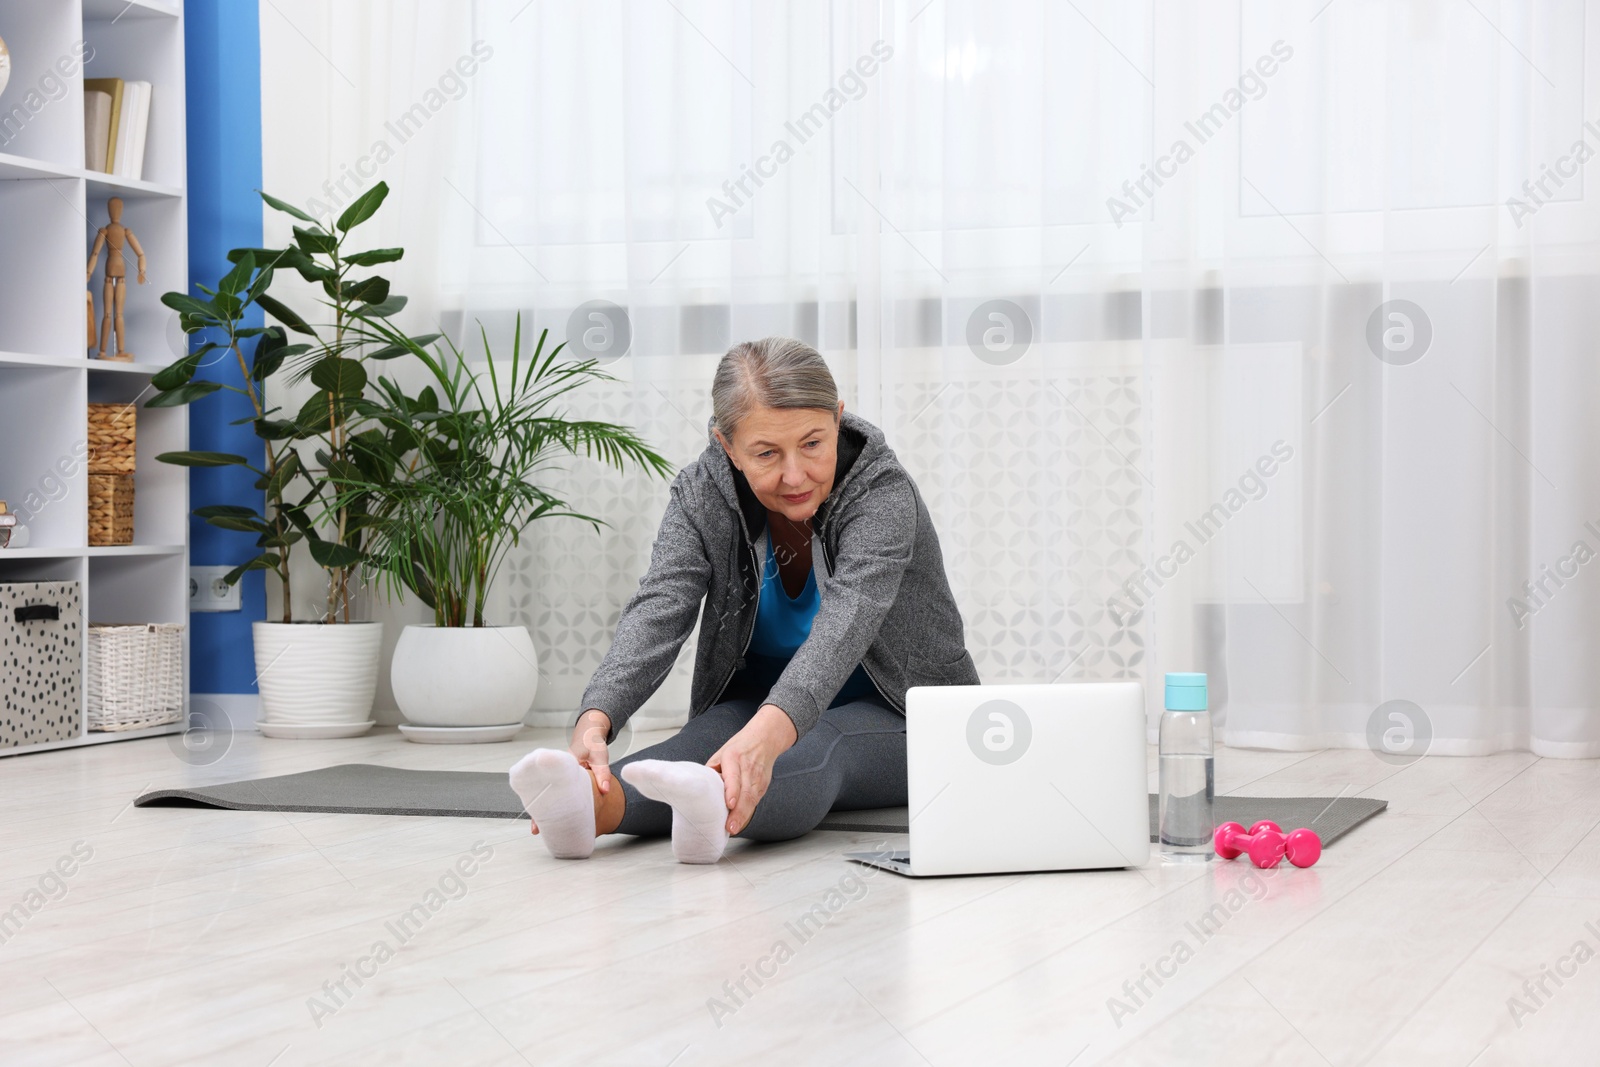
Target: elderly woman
[[825, 600]]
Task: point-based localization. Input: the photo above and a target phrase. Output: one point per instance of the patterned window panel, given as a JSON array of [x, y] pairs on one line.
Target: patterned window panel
[[1034, 486]]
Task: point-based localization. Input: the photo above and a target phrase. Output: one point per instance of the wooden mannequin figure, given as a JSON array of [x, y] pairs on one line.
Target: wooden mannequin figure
[[111, 237]]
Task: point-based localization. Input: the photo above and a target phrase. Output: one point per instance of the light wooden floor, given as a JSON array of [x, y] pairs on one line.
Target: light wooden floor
[[200, 937]]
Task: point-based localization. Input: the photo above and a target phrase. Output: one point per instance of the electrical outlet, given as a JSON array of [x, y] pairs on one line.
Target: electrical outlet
[[208, 592]]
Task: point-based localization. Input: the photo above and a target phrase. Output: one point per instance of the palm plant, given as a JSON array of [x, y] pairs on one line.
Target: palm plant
[[449, 485]]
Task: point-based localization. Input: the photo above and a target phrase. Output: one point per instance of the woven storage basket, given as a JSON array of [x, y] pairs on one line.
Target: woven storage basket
[[111, 509], [112, 433], [135, 676]]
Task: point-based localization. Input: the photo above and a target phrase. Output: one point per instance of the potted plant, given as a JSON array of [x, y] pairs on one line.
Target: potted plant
[[318, 673], [454, 491]]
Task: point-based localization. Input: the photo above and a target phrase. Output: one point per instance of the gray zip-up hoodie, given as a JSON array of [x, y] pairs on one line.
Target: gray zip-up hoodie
[[886, 603]]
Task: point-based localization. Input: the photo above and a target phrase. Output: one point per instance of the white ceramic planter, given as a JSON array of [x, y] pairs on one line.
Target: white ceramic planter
[[464, 675], [310, 673]]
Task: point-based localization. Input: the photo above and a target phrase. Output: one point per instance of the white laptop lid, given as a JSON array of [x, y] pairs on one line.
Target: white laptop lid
[[1026, 777]]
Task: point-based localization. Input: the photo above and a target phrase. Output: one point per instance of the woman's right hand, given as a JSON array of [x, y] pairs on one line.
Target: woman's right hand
[[589, 746]]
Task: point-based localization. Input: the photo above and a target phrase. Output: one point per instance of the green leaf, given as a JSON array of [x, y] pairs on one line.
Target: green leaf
[[363, 207], [278, 310], [394, 351], [274, 429], [287, 469], [372, 290], [342, 377], [229, 306], [214, 511], [420, 584], [203, 459], [371, 439], [384, 308], [188, 305], [272, 351], [177, 374], [290, 258], [268, 355], [184, 394], [302, 519], [346, 473], [332, 555], [372, 257], [265, 562], [313, 272], [315, 242], [243, 525], [236, 279], [372, 454], [285, 207], [313, 417], [260, 285]]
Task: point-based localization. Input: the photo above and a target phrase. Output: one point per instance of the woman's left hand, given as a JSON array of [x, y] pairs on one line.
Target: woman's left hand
[[745, 762]]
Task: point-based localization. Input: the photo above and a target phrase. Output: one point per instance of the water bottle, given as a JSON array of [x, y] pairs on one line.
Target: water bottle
[[1188, 785]]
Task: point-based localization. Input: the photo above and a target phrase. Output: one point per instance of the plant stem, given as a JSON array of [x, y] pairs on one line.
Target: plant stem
[[257, 402], [340, 576]]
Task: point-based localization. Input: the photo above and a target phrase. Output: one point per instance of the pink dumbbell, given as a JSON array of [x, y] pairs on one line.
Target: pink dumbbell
[[1267, 844]]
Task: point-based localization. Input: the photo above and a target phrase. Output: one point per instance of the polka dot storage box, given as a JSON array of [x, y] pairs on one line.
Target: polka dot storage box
[[41, 662]]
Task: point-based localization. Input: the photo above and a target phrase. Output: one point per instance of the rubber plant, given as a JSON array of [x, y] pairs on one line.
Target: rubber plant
[[303, 450]]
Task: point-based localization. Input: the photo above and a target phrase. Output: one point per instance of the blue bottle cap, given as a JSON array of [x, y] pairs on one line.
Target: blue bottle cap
[[1186, 691]]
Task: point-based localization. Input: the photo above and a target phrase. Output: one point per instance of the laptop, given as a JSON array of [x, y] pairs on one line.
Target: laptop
[[1008, 778]]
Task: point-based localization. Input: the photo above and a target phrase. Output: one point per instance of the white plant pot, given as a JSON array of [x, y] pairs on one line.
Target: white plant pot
[[312, 673], [464, 675]]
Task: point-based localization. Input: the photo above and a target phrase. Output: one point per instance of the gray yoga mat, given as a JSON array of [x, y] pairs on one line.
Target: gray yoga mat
[[370, 789], [1330, 817]]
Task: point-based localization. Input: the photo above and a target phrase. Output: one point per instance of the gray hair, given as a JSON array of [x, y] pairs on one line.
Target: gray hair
[[774, 372]]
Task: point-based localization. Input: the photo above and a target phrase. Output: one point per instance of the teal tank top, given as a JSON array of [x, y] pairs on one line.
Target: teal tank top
[[783, 623]]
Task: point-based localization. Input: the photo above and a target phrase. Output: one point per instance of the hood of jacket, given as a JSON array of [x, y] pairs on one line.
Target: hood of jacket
[[861, 447]]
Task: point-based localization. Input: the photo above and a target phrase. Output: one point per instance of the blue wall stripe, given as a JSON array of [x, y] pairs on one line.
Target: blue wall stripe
[[222, 48]]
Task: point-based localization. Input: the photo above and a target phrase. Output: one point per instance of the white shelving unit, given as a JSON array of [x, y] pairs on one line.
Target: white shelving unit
[[50, 207]]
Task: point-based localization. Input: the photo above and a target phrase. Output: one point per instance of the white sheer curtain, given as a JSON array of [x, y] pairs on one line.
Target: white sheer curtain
[[1219, 336]]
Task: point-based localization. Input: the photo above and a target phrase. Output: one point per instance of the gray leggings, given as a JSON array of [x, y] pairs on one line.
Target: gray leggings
[[855, 757]]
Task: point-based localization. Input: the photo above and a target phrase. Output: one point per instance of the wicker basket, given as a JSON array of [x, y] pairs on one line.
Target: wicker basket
[[112, 433], [135, 676], [111, 509]]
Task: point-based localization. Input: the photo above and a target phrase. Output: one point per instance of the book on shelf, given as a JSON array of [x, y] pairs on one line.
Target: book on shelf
[[96, 128], [115, 144], [112, 87], [136, 120]]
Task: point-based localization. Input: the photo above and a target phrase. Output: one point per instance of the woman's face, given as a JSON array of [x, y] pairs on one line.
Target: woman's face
[[788, 456]]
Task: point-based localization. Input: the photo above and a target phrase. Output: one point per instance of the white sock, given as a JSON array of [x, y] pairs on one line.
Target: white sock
[[699, 816], [556, 791]]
